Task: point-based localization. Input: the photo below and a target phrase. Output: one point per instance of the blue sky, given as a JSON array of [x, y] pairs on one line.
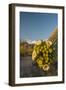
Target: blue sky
[[37, 26]]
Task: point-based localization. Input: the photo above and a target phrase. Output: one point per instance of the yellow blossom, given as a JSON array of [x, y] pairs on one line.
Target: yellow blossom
[[46, 67], [40, 63], [34, 55], [38, 42], [50, 50], [48, 43]]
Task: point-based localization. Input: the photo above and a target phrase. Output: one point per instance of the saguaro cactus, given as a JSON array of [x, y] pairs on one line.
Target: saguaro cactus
[[45, 52]]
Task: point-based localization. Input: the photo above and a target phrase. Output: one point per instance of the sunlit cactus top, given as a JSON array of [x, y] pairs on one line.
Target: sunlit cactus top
[[43, 54]]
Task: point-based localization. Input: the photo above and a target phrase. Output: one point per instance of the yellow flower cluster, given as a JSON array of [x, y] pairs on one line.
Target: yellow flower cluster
[[43, 54]]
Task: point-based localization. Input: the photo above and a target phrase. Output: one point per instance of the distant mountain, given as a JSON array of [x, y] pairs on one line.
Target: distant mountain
[[31, 42]]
